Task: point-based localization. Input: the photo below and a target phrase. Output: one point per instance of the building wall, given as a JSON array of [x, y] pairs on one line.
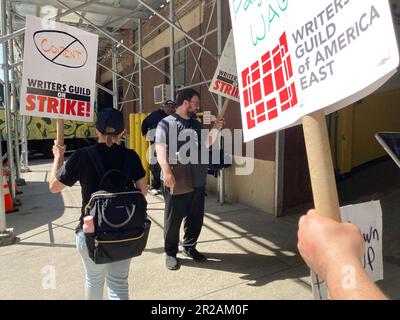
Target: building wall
[[257, 189]]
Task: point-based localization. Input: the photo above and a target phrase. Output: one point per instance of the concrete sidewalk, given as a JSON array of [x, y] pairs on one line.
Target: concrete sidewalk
[[252, 254]]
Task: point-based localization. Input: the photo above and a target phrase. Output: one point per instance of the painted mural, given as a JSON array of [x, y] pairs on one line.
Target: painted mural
[[45, 128]]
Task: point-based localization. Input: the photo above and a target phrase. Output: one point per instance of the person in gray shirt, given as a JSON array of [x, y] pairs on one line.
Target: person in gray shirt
[[176, 134]]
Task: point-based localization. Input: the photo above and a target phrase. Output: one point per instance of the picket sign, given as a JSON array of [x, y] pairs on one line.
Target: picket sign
[[300, 60], [59, 77]]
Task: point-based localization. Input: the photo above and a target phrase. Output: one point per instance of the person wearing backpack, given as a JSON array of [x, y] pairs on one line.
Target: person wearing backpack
[[82, 166]]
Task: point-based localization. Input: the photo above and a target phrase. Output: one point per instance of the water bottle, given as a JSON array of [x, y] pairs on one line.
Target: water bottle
[[88, 225]]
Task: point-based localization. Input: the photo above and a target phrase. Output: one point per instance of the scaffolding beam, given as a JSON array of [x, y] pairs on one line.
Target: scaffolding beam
[[221, 180], [13, 102], [140, 47], [117, 74], [115, 40], [7, 101], [114, 75], [10, 36], [172, 49], [173, 25], [97, 7]]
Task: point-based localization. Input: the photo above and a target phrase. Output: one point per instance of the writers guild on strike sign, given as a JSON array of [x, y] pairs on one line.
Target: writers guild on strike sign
[[57, 98], [60, 105]]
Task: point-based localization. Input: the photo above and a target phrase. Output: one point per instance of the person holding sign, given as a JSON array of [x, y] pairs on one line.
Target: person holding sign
[[178, 141], [110, 129], [334, 251]]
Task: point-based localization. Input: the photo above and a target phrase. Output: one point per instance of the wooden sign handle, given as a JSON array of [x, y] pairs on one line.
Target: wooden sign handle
[[224, 108], [60, 132], [320, 163]]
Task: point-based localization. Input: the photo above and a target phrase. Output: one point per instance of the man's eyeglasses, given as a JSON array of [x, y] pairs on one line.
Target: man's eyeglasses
[[196, 103]]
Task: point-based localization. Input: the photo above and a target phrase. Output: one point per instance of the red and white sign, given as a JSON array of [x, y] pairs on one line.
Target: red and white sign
[[296, 57], [59, 75], [225, 81]]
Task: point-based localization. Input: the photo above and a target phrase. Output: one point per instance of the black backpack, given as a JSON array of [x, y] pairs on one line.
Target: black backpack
[[119, 212]]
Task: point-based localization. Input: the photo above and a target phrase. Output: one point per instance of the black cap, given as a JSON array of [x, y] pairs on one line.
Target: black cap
[[169, 102], [110, 118]]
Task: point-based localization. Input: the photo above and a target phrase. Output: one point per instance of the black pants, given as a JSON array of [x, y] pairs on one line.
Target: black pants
[[155, 171], [188, 207]]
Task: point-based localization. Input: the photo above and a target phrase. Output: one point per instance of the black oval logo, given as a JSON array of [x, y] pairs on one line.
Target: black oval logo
[[60, 48]]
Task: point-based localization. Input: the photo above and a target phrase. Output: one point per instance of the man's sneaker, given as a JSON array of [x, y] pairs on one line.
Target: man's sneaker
[[194, 254], [172, 263], [154, 192]]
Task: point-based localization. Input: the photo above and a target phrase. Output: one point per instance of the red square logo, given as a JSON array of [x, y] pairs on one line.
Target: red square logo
[[268, 85]]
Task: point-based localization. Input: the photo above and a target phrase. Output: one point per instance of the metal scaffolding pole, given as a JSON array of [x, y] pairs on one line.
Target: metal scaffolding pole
[[117, 74], [114, 75], [104, 89], [279, 172], [7, 236], [127, 91], [7, 102], [171, 23], [3, 226], [193, 85], [24, 146], [19, 180], [176, 51], [10, 36], [155, 29], [171, 49], [140, 45], [127, 101], [196, 61], [221, 180], [113, 39], [24, 139]]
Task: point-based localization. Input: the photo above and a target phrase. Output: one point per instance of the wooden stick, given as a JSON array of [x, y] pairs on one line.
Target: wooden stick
[[60, 132], [224, 108], [320, 163]]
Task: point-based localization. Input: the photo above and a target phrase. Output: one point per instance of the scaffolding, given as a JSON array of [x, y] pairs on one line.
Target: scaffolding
[[106, 18]]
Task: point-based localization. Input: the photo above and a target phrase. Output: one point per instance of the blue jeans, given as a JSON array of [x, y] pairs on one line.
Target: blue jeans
[[95, 275]]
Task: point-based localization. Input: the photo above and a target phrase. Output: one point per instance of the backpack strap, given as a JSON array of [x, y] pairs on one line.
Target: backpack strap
[[103, 175], [127, 168], [96, 161]]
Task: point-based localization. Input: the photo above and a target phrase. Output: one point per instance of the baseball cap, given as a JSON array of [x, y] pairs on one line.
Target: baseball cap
[[169, 102], [110, 118]]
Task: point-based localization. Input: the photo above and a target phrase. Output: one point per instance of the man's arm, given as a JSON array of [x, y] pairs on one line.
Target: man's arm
[[141, 184], [340, 289], [162, 158], [334, 251], [56, 186], [213, 135]]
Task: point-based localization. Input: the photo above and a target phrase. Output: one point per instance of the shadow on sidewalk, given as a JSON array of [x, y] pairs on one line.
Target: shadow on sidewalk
[[257, 268], [39, 210]]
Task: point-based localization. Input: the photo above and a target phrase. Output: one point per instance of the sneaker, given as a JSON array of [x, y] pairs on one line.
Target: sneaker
[[194, 254], [154, 192], [172, 263]]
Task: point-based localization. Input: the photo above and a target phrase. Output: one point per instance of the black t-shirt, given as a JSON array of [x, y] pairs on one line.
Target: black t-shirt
[[151, 122], [79, 167], [174, 125]]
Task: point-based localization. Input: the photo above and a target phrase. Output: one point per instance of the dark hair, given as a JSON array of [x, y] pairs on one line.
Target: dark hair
[[186, 94]]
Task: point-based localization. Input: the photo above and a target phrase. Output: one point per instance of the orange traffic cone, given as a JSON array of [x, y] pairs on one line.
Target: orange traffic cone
[[8, 174], [9, 205]]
